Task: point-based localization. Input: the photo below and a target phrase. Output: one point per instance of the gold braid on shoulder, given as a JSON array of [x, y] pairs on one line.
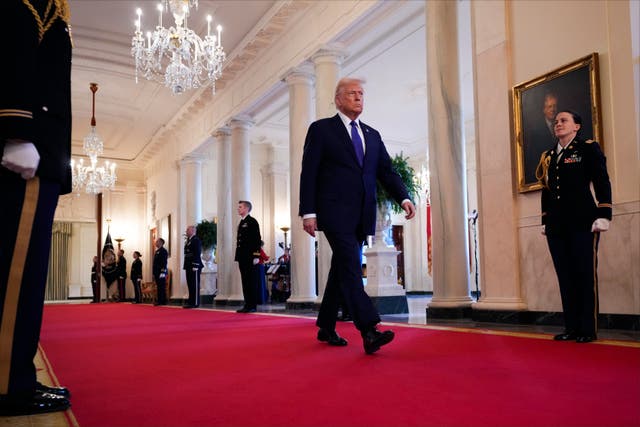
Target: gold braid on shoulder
[[61, 10], [542, 169]]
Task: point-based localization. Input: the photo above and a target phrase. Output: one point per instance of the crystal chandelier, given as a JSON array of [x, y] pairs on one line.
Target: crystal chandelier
[[176, 56], [93, 178]]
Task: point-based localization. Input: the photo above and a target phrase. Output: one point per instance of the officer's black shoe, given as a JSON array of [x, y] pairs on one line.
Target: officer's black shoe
[[36, 403], [246, 310], [60, 391], [331, 337], [566, 336], [582, 339]]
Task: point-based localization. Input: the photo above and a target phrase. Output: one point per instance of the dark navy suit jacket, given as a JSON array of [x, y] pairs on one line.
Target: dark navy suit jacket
[[335, 187]]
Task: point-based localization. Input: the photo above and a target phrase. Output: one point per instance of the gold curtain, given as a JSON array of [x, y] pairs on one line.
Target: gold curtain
[[58, 277]]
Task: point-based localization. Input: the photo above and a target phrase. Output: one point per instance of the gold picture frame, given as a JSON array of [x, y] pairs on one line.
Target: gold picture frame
[[574, 86]]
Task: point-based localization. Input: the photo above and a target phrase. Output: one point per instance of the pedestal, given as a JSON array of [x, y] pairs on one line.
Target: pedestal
[[208, 284], [382, 280]]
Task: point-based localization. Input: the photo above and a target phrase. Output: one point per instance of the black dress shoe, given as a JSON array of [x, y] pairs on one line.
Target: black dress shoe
[[189, 306], [60, 391], [566, 336], [331, 337], [246, 310], [374, 339], [582, 339], [37, 403]]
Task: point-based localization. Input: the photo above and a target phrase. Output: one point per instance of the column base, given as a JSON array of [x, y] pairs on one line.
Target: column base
[[391, 304], [460, 312], [300, 305]]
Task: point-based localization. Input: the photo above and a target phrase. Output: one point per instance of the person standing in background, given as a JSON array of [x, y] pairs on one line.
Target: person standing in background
[[35, 146], [121, 268], [343, 158], [95, 279], [572, 222], [193, 266], [136, 277], [248, 255], [159, 269]]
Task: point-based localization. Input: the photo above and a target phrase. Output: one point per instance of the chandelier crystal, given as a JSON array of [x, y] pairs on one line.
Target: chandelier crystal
[[93, 178], [177, 56]]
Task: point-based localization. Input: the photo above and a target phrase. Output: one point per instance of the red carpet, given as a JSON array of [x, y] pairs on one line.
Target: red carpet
[[131, 365]]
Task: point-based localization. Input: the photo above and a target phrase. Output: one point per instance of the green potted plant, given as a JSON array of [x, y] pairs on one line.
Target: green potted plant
[[207, 232], [386, 203], [407, 174]]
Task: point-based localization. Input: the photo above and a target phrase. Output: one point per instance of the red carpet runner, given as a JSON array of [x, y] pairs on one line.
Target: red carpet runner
[[131, 365]]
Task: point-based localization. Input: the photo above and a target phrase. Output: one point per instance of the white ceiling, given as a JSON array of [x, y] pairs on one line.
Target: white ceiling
[[389, 54]]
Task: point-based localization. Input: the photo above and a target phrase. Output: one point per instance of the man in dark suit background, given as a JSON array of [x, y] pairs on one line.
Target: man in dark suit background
[[122, 276], [193, 266], [248, 255], [342, 160], [35, 147]]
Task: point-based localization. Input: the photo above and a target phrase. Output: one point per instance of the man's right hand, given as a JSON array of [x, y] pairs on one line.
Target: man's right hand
[[310, 225]]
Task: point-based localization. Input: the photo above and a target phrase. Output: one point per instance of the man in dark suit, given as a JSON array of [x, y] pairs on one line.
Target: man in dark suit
[[248, 255], [122, 276], [192, 266], [342, 160], [35, 146], [159, 270]]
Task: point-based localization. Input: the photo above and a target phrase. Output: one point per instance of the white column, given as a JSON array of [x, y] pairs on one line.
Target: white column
[[301, 113], [240, 187], [276, 196], [327, 62], [225, 244], [190, 214], [446, 161]]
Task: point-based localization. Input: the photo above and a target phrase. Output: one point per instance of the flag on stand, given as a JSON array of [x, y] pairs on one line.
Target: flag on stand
[[109, 271]]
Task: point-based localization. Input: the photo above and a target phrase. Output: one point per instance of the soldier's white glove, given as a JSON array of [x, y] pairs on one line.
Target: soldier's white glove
[[162, 275], [194, 269], [543, 230], [256, 261], [21, 157], [600, 224]]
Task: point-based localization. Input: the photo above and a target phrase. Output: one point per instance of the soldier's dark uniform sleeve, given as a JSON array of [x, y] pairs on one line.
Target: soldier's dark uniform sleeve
[[600, 179]]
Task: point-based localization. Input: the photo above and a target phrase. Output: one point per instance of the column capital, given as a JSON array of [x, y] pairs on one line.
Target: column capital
[[299, 75], [191, 158], [333, 53], [221, 132], [241, 121]]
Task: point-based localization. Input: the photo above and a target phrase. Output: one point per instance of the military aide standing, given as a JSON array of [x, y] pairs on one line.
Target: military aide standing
[[248, 255], [192, 266], [35, 143], [159, 269], [572, 221]]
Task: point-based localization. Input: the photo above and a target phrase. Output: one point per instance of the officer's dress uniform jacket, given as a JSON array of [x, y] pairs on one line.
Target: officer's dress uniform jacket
[[35, 105], [192, 267], [159, 270], [121, 267], [568, 212], [248, 249]]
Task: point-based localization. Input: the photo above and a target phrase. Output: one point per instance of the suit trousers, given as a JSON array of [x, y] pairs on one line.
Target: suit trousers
[[193, 285], [25, 241], [122, 286], [249, 286], [345, 285], [575, 258], [161, 290]]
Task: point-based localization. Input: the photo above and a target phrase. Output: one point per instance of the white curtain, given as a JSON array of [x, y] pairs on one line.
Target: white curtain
[[58, 277]]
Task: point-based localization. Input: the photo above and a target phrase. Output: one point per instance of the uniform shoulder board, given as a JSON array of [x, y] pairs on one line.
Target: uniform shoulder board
[[589, 141]]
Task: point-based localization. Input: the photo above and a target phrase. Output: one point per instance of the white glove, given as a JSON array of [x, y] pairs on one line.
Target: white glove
[[600, 224], [21, 157], [194, 269], [543, 230], [162, 276], [256, 261]]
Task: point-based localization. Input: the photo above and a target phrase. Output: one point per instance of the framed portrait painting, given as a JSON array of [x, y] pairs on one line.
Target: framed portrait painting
[[574, 86]]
